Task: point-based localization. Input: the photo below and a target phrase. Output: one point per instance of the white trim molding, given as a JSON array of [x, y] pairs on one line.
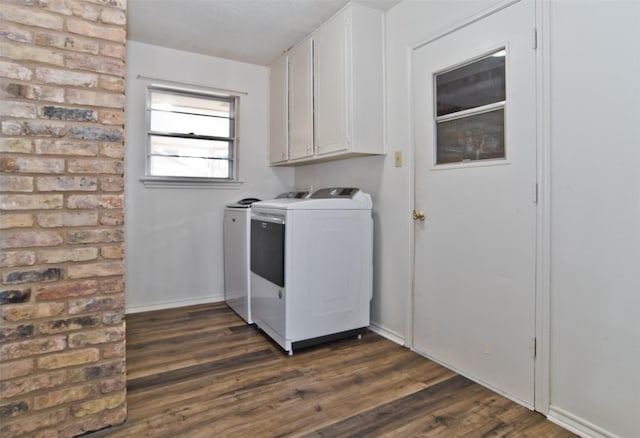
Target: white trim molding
[[543, 232], [387, 334], [161, 305], [149, 79], [168, 182], [576, 424]]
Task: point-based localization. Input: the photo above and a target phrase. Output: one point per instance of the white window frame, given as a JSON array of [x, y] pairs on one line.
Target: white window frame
[[170, 181]]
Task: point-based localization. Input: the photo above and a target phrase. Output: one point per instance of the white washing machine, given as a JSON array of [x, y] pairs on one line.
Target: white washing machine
[[312, 266], [236, 236]]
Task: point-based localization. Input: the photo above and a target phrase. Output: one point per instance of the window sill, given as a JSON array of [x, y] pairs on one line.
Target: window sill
[[167, 182]]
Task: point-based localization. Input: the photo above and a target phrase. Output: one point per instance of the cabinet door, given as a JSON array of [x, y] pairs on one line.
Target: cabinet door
[[301, 100], [331, 72], [278, 146]]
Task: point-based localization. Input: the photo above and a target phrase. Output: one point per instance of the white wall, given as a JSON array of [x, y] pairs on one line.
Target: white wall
[[174, 236], [595, 214], [595, 200]]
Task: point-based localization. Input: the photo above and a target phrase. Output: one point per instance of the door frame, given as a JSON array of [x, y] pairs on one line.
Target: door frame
[[540, 37]]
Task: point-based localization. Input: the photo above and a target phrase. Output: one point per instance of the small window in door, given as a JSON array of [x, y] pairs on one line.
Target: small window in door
[[470, 109]]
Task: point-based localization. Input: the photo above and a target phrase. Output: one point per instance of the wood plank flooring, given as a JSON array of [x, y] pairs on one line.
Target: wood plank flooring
[[201, 372]]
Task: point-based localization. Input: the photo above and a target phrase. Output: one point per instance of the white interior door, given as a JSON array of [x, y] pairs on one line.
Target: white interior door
[[474, 298]]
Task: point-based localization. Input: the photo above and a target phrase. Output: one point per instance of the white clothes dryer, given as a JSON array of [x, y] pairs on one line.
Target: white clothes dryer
[[312, 266]]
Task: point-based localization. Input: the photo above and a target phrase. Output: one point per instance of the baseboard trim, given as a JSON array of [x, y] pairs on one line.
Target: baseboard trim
[[576, 424], [173, 304], [386, 333]]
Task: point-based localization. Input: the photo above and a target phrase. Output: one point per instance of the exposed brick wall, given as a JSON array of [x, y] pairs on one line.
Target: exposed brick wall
[[62, 332]]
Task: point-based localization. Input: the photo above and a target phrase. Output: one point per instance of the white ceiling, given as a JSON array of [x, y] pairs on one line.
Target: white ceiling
[[253, 31]]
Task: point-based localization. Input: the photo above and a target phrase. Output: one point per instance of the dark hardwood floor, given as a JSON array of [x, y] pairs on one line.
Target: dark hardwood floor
[[201, 372]]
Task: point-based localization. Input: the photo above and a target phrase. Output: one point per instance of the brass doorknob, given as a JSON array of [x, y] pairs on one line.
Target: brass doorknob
[[418, 215]]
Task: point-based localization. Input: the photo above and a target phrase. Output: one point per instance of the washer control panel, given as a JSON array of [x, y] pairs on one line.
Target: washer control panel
[[335, 192]]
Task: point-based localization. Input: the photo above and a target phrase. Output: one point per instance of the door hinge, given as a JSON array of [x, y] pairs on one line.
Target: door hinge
[[535, 193], [534, 36], [535, 347]]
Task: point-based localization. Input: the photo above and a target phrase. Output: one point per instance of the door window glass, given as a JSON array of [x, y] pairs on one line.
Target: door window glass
[[470, 109]]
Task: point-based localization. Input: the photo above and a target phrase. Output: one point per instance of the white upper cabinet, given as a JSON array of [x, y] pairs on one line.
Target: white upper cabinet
[[335, 104], [348, 81], [301, 100], [331, 71], [278, 138]]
